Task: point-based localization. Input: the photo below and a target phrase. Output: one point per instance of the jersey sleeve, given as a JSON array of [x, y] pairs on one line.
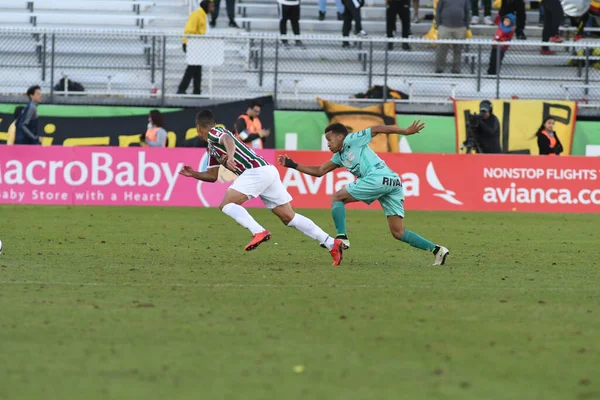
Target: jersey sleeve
[[215, 135], [336, 159], [360, 138]]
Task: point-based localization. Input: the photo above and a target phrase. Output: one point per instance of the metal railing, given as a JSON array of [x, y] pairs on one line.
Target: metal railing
[[147, 67]]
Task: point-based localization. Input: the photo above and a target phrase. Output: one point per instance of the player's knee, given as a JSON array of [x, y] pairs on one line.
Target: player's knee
[[337, 197]]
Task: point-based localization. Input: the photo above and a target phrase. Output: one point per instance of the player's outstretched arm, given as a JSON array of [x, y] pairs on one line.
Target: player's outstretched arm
[[316, 170], [210, 176], [415, 127]]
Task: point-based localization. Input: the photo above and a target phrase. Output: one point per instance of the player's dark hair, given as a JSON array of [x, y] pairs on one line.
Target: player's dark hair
[[205, 117], [32, 89], [157, 118], [337, 128], [254, 103]]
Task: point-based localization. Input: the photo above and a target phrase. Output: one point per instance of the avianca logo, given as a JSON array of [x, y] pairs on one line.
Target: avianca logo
[[435, 183]]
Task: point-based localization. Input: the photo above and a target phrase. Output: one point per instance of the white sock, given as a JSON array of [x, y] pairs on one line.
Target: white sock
[[311, 230], [242, 217]]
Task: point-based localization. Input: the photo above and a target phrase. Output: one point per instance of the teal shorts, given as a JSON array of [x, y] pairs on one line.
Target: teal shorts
[[385, 188]]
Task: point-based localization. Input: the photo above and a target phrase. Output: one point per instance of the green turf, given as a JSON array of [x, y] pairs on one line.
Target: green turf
[[149, 303]]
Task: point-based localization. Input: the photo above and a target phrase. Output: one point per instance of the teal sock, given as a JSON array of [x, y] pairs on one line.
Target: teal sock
[[417, 241], [338, 212]]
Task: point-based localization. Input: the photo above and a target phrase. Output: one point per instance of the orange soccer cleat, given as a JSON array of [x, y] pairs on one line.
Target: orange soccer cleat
[[258, 239], [336, 252]]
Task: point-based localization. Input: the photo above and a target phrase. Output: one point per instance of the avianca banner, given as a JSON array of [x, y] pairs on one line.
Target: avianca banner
[[109, 176], [465, 182]]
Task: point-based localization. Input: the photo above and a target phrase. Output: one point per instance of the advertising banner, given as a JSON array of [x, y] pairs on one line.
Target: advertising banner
[[108, 176], [122, 126], [519, 122], [465, 182]]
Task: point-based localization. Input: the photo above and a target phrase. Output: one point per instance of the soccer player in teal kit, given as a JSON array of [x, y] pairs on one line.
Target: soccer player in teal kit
[[376, 181]]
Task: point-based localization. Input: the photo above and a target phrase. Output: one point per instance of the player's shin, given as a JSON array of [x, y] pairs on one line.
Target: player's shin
[[242, 217], [417, 241], [338, 212], [311, 230]]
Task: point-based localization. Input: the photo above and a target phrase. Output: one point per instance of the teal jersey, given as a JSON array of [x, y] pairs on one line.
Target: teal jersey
[[358, 158]]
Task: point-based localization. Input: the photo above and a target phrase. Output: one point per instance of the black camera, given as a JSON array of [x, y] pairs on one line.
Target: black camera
[[470, 144]]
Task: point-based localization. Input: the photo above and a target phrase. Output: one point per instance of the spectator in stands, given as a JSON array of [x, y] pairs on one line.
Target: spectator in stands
[[452, 18], [289, 10], [230, 13], [399, 8], [416, 19], [27, 123], [547, 139], [196, 25], [515, 7], [249, 128], [352, 12], [323, 9], [505, 32], [12, 129], [487, 12], [553, 16], [156, 134]]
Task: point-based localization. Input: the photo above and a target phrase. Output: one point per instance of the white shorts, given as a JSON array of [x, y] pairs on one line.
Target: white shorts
[[263, 182]]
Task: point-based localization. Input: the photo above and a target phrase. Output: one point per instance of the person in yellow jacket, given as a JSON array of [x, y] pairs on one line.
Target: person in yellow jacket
[[196, 25], [432, 34], [12, 129]]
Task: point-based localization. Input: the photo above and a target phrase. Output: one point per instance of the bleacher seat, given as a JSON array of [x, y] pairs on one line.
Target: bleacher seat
[[126, 64]]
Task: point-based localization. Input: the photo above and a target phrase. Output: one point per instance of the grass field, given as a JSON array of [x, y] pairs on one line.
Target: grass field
[[149, 303]]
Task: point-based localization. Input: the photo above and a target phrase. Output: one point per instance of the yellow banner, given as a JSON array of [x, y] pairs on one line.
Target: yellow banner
[[519, 122], [357, 119]]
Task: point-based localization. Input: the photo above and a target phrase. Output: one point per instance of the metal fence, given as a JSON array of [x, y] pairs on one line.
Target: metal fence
[[147, 67]]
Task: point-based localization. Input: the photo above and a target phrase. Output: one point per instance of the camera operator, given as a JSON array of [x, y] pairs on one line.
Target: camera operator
[[484, 129]]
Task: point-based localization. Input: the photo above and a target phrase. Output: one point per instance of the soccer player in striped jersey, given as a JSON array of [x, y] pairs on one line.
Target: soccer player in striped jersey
[[376, 181], [256, 178]]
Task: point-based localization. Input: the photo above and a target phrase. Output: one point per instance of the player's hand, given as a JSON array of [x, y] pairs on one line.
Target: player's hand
[[187, 171], [265, 133], [285, 161], [230, 163], [41, 139], [416, 127]]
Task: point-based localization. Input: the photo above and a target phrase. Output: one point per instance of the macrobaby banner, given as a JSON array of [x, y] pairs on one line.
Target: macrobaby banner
[[465, 182], [108, 176]]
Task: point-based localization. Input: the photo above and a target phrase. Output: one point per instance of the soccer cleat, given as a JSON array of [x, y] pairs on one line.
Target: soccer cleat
[[336, 252], [547, 52], [578, 37], [488, 20], [440, 253], [474, 20], [345, 241], [557, 39], [258, 239]]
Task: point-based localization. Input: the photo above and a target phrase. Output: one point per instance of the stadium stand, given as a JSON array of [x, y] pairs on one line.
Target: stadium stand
[[133, 39]]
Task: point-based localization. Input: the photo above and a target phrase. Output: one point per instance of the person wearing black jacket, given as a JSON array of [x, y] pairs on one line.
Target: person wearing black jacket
[[547, 139], [487, 130], [515, 7], [399, 8]]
